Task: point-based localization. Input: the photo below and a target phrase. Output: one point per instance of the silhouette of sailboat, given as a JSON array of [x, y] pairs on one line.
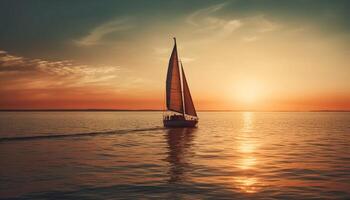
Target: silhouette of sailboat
[[180, 108]]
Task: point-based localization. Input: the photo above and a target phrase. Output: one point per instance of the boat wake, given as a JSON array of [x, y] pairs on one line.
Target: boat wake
[[49, 136]]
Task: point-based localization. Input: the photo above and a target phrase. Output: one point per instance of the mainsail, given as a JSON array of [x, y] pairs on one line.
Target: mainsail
[[189, 106], [173, 84]]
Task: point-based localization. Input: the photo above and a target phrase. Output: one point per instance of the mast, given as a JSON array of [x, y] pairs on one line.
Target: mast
[[181, 82]]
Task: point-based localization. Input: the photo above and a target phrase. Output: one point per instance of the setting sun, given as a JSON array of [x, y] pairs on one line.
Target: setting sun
[[247, 92]]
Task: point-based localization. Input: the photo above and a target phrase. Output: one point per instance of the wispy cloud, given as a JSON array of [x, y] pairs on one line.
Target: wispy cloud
[[39, 83], [64, 73], [196, 17], [212, 24], [97, 34], [12, 63], [264, 25], [207, 20], [257, 26]]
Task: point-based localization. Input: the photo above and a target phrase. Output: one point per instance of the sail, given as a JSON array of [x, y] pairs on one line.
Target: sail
[[173, 84], [189, 107]]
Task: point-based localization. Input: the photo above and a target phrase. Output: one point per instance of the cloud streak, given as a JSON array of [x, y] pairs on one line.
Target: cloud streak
[[198, 15], [205, 21], [39, 83], [28, 72], [211, 24], [97, 34]]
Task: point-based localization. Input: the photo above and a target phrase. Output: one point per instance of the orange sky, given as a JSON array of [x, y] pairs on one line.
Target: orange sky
[[235, 58]]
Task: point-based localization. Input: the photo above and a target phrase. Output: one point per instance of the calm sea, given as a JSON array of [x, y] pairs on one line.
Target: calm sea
[[129, 155]]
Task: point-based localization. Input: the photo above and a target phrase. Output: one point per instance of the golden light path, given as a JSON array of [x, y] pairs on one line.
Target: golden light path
[[248, 161], [244, 163]]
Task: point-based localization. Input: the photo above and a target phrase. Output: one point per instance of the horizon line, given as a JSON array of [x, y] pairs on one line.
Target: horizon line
[[159, 110]]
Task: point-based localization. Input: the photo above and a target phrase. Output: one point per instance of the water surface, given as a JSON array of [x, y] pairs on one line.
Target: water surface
[[123, 155]]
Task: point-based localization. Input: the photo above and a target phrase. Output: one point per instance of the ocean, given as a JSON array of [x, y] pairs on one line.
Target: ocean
[[129, 155]]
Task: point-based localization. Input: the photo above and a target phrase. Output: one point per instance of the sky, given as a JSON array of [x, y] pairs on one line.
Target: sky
[[264, 55]]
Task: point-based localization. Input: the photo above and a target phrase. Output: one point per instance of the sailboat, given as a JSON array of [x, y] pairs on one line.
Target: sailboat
[[180, 110]]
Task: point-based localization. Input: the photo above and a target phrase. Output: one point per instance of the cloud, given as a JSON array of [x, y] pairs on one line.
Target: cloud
[[206, 21], [15, 63], [42, 73], [196, 17], [264, 25], [97, 34], [257, 26], [211, 24], [230, 26]]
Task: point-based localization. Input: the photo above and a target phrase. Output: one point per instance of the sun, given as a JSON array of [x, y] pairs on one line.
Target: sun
[[247, 95], [247, 92]]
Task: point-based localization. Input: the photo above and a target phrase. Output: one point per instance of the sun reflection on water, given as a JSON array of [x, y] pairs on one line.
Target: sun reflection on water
[[247, 122], [248, 161], [247, 147], [247, 184]]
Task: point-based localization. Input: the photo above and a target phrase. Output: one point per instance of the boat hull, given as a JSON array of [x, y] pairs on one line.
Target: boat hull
[[180, 123]]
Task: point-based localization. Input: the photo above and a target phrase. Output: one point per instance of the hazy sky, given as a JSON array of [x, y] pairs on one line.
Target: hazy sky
[[239, 54]]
